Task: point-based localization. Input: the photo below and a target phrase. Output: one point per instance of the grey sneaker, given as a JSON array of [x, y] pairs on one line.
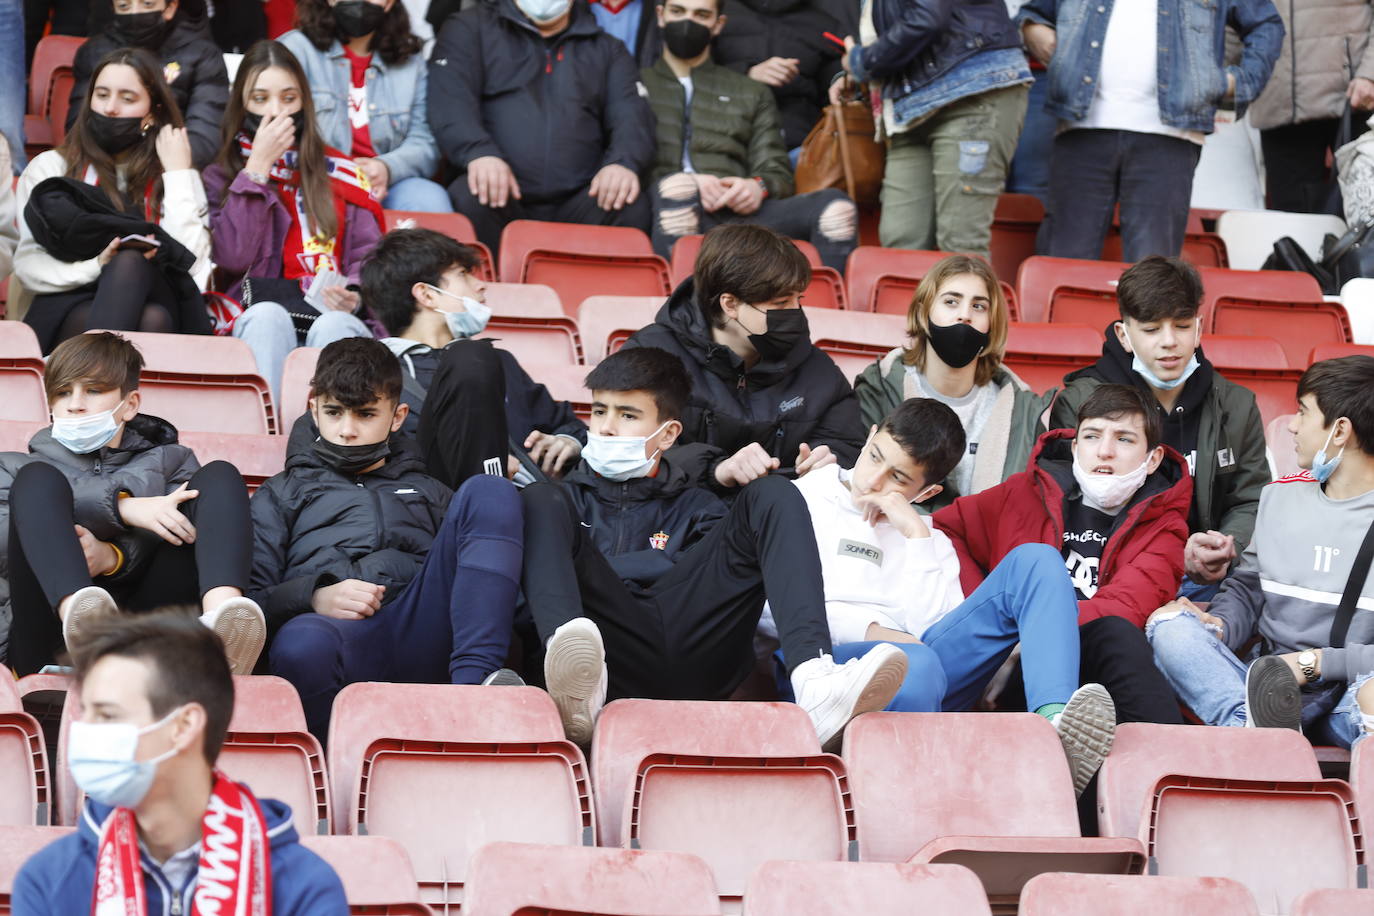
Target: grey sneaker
[[833, 694], [240, 625], [1272, 696], [575, 676], [503, 677], [83, 606], [1086, 727]]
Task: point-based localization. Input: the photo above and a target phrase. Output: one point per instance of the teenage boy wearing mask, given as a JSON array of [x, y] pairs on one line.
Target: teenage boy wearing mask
[[642, 584], [1213, 423]]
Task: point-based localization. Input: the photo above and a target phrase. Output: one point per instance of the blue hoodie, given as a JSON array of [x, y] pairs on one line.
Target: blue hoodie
[[60, 878]]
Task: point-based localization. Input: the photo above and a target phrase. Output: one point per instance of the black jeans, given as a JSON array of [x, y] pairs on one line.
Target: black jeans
[[1296, 178], [580, 207], [463, 421], [46, 563], [1149, 175], [690, 635]]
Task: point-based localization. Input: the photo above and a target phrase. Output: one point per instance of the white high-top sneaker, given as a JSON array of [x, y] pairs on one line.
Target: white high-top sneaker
[[833, 694], [240, 625], [575, 676]]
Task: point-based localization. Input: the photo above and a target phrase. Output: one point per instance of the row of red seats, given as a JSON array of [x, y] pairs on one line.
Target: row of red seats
[[444, 770]]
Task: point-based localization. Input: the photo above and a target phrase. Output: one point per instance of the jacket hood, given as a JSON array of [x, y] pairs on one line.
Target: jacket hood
[[582, 22], [669, 482], [300, 452], [281, 828], [1051, 465], [142, 433], [684, 318], [1114, 367]]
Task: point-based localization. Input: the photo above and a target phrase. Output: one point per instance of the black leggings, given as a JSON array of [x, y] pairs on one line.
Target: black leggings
[[46, 563], [132, 294]]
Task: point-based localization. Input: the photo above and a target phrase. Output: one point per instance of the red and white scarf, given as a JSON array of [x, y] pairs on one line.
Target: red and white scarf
[[91, 178], [235, 871], [304, 253]]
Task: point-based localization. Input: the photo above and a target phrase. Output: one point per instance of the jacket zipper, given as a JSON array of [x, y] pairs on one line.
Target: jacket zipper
[[377, 505], [620, 519]]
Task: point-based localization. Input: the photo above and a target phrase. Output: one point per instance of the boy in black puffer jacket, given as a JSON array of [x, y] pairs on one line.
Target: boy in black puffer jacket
[[362, 571]]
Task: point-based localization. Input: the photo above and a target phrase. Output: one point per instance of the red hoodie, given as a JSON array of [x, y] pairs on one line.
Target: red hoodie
[[1142, 562]]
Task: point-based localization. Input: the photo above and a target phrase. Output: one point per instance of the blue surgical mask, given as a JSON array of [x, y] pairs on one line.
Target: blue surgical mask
[[1322, 466], [83, 435], [620, 457], [101, 758], [543, 10], [1140, 369], [468, 323]]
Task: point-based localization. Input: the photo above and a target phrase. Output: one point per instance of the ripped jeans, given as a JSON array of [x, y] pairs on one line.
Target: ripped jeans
[[943, 175], [1210, 679]]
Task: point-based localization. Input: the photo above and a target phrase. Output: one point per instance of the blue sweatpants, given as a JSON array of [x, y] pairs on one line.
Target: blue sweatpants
[[450, 624], [1027, 598]]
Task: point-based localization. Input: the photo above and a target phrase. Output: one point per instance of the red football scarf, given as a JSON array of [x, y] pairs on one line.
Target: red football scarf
[[91, 178], [235, 872], [305, 254]]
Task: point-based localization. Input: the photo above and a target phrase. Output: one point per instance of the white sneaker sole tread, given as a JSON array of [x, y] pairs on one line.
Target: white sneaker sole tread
[[243, 630], [1086, 729], [573, 664]]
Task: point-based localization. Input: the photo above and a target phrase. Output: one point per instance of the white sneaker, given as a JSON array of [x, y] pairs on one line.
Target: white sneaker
[[239, 623], [1086, 727], [833, 694], [575, 676], [83, 606]]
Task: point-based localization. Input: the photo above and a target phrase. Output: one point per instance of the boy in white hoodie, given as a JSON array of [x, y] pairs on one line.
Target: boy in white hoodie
[[890, 577]]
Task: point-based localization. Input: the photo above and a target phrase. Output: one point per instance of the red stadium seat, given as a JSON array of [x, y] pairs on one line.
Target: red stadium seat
[[968, 807], [1265, 285], [855, 339], [1298, 326], [826, 290], [530, 321], [605, 322], [1276, 390], [256, 457], [17, 844], [586, 880], [1200, 247], [25, 789], [565, 383], [68, 797], [44, 695], [1331, 902], [375, 871], [581, 261], [269, 748], [524, 300], [1064, 894], [1226, 351], [1084, 286], [1015, 224], [1042, 354], [15, 434], [885, 279], [1143, 753], [295, 386], [21, 374], [870, 888], [1337, 350], [1362, 777], [50, 88], [444, 769], [735, 783], [1283, 457], [454, 225]]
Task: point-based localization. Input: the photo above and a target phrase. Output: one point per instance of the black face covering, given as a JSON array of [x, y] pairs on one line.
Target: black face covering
[[686, 39], [356, 18], [785, 328], [141, 30], [957, 344], [351, 459], [114, 135], [251, 123]]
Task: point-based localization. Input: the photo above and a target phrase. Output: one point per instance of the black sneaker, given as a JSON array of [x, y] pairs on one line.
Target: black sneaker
[[1272, 697]]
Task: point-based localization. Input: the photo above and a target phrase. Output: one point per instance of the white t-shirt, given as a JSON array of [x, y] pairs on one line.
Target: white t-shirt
[[1127, 96]]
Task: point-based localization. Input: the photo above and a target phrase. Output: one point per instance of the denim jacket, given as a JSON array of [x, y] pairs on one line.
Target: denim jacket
[[397, 114], [1192, 42]]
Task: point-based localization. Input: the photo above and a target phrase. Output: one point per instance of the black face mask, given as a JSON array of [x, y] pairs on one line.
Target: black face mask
[[251, 123], [686, 39], [351, 459], [786, 328], [957, 344], [141, 30], [114, 135], [356, 18]]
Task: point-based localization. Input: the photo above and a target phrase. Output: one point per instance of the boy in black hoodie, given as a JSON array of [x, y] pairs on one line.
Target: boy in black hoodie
[[644, 585], [1213, 423], [363, 573]]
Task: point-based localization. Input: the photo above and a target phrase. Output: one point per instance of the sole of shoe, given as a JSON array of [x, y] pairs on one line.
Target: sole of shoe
[[87, 604], [240, 626], [573, 666], [1087, 727], [884, 672], [1272, 696], [503, 677]]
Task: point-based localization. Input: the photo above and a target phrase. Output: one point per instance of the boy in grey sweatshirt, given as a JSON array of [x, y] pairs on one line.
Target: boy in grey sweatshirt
[[1289, 583]]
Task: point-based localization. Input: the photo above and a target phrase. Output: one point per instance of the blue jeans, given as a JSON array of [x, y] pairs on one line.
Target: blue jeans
[[1026, 599], [1030, 166], [450, 624], [418, 194], [269, 333], [1210, 679], [13, 77]]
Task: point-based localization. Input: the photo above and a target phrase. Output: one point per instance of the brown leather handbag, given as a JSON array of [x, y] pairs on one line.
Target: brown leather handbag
[[840, 152]]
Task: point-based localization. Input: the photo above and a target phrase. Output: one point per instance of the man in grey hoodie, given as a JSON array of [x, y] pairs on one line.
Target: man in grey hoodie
[[1290, 582]]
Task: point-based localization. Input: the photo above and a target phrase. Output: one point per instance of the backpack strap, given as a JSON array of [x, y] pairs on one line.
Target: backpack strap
[[1359, 573]]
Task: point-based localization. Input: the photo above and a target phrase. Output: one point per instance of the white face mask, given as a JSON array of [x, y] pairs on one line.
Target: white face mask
[[83, 435], [543, 10], [467, 323], [101, 758], [1110, 491], [620, 457], [1139, 368]]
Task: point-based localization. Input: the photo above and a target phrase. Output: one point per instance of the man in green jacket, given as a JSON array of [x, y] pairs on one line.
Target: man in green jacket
[[721, 156], [1212, 422]]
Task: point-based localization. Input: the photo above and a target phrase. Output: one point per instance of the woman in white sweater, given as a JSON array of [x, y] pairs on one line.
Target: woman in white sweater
[[128, 140]]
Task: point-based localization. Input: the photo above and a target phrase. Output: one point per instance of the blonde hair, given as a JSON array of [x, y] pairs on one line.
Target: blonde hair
[[918, 315]]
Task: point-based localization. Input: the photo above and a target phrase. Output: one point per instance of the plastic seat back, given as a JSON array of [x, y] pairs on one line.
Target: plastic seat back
[[454, 225], [855, 339], [50, 87], [1142, 753], [871, 888], [1299, 326], [565, 382], [1041, 354], [15, 434], [1332, 902], [536, 340], [587, 880], [962, 790], [17, 846], [1226, 351], [1066, 894], [1281, 446], [21, 374], [269, 748], [257, 457], [523, 300], [1086, 284], [295, 385], [25, 789], [1264, 285], [1015, 224], [580, 261], [1357, 296], [606, 322], [203, 383], [885, 279], [375, 871], [1250, 235], [1337, 350]]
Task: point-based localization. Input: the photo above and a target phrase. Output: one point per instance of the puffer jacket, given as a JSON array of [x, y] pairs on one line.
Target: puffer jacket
[[629, 518], [313, 526], [777, 403], [148, 462], [1332, 40], [735, 127]]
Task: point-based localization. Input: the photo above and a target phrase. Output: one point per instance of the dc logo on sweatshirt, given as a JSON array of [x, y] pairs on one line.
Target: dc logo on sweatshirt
[[659, 541], [791, 404]]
